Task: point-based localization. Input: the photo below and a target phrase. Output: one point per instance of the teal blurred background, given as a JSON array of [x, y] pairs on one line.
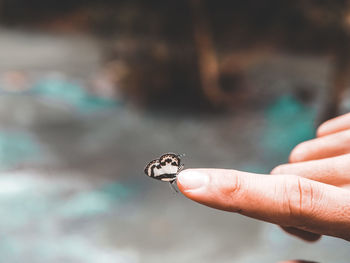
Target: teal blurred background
[[91, 91]]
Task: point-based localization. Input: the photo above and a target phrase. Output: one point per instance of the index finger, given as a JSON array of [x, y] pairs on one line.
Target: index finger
[[284, 200]]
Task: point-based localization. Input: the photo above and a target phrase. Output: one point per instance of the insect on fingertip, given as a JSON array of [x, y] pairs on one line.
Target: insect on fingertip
[[165, 168]]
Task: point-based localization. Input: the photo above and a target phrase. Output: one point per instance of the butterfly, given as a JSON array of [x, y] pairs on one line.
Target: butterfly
[[165, 168]]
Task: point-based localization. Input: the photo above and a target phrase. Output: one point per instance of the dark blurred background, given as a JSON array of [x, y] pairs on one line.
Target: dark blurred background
[[90, 91]]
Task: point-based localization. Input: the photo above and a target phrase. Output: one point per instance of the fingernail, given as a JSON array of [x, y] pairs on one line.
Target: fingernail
[[192, 179]]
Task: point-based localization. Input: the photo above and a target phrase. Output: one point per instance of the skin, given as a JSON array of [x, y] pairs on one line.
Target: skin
[[308, 197]]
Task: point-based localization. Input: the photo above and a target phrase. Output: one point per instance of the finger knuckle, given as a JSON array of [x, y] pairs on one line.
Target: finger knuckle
[[300, 197], [232, 193], [233, 189]]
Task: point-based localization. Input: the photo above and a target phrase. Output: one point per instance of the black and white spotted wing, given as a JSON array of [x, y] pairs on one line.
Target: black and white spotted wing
[[165, 168]]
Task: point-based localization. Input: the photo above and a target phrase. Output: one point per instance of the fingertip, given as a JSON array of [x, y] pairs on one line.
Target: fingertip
[[179, 181], [297, 261], [278, 169], [304, 235], [334, 125], [297, 154], [322, 129], [191, 180], [215, 188]]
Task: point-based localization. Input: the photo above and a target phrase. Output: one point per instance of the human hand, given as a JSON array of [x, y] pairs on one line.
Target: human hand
[[309, 197], [325, 159]]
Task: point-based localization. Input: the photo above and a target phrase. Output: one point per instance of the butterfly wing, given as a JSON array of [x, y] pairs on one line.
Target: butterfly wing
[[152, 169], [170, 163], [165, 168]]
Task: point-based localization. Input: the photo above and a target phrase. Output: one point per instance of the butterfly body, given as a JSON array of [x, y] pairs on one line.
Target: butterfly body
[[165, 168]]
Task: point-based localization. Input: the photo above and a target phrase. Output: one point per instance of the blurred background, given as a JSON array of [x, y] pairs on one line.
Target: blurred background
[[91, 91]]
